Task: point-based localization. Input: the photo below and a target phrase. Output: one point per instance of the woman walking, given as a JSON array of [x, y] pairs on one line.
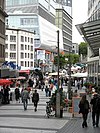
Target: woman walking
[[84, 109]]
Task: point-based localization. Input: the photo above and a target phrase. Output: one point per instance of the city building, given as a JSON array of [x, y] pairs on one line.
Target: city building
[[40, 18], [19, 47], [90, 30], [75, 48], [64, 22], [2, 31]]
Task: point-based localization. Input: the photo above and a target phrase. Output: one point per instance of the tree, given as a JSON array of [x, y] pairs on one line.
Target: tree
[[83, 48], [74, 58], [62, 61]]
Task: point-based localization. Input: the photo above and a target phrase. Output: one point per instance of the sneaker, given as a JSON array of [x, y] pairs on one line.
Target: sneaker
[[97, 126]]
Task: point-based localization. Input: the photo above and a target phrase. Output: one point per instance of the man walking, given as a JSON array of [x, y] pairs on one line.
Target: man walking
[[25, 96], [95, 103], [35, 99]]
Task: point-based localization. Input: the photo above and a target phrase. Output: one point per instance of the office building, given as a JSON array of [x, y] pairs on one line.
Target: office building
[[2, 31]]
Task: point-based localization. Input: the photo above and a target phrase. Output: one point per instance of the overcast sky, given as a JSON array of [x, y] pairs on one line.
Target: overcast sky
[[79, 13]]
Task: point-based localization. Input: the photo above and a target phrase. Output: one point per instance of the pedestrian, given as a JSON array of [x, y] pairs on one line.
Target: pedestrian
[[25, 97], [35, 99], [17, 94], [46, 90], [95, 105], [84, 109]]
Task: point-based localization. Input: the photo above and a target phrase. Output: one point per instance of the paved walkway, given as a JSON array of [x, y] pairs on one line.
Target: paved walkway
[[13, 119]]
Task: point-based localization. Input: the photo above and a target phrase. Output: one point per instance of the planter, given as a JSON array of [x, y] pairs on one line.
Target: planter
[[70, 109]]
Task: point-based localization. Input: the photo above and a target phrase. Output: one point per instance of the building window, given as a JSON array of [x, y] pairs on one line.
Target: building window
[[28, 39], [28, 64], [32, 40], [22, 63], [6, 46], [25, 55], [31, 56], [22, 55], [22, 39], [22, 47], [25, 64], [31, 64], [13, 47], [12, 55], [29, 21], [28, 55], [12, 38], [25, 39], [31, 48], [25, 47], [28, 47]]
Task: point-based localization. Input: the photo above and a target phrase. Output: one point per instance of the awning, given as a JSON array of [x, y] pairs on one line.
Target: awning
[[24, 71], [5, 82], [91, 33]]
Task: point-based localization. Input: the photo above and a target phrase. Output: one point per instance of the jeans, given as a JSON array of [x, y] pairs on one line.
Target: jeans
[[25, 102], [95, 118]]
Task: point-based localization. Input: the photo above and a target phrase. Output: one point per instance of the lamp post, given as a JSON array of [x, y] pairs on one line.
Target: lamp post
[[58, 94], [69, 83]]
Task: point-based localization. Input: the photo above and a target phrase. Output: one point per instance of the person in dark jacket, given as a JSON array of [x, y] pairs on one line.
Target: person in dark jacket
[[84, 109], [95, 109], [17, 94], [35, 99]]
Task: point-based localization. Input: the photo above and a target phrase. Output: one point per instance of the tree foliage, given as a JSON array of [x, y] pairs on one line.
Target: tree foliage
[[83, 48], [72, 58], [62, 61], [66, 59]]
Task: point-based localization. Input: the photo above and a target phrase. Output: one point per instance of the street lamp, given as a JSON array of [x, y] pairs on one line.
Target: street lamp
[[69, 71], [58, 94], [57, 112]]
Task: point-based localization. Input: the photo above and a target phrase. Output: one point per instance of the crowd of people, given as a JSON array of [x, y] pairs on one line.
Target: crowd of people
[[49, 86]]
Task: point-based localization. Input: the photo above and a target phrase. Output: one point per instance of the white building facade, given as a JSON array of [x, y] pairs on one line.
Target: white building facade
[[19, 47]]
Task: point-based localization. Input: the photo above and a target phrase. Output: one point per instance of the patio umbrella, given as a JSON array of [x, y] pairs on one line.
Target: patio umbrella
[[80, 75], [5, 82], [56, 73]]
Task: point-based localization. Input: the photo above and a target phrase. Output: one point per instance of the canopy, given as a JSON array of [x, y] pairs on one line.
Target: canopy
[[56, 73], [5, 82], [79, 75], [18, 78]]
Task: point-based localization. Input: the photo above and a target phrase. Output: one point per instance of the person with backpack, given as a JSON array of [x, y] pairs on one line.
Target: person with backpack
[[84, 109], [35, 99], [95, 105]]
